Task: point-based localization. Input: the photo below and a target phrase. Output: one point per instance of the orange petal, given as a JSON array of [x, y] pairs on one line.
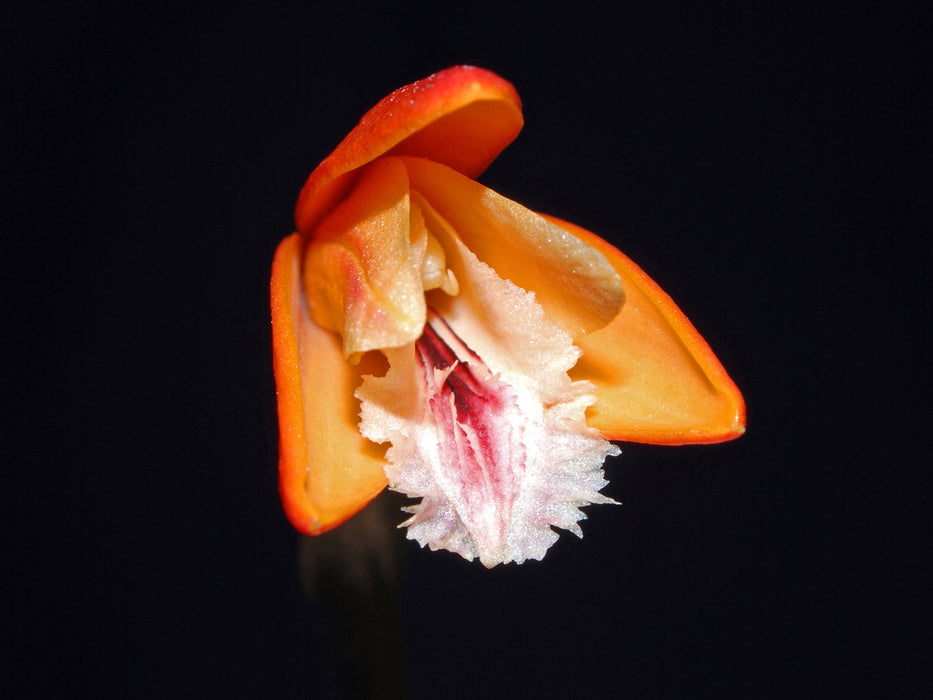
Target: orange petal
[[462, 117], [657, 381], [327, 470]]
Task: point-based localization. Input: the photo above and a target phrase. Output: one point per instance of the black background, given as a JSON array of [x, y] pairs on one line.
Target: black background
[[757, 163]]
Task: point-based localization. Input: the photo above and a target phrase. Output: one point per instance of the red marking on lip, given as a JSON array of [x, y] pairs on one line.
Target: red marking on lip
[[469, 392], [481, 449]]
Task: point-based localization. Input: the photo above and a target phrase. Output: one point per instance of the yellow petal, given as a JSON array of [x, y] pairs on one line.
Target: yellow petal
[[578, 289], [327, 470], [657, 380]]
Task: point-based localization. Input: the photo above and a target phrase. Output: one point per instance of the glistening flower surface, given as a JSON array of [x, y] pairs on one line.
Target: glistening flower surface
[[431, 334]]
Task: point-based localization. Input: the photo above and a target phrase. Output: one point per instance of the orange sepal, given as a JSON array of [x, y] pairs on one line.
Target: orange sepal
[[327, 470], [657, 380], [461, 117]]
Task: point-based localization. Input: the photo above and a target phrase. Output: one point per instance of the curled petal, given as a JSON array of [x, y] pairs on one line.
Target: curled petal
[[361, 276], [462, 117], [657, 380], [327, 470]]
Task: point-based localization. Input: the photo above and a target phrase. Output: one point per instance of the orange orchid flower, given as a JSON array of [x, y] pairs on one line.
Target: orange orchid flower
[[434, 336]]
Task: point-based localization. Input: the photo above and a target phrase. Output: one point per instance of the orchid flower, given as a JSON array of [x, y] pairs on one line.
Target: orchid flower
[[434, 336]]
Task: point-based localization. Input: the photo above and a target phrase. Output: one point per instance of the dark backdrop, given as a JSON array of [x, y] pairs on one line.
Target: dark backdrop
[[755, 163]]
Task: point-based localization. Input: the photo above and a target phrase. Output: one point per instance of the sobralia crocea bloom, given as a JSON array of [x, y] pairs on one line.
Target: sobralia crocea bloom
[[434, 336]]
